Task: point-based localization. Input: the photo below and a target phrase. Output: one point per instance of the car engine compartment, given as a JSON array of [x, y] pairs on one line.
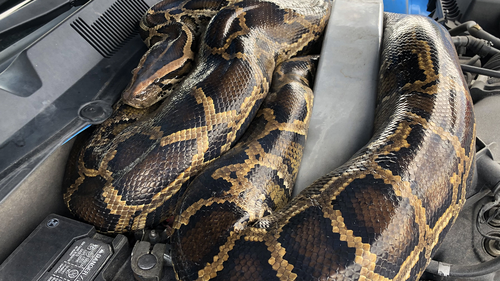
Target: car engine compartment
[[42, 113]]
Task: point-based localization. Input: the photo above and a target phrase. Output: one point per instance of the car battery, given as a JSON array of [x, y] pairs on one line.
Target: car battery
[[62, 249]]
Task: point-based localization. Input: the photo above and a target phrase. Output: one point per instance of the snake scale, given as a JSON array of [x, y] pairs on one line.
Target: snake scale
[[380, 216]]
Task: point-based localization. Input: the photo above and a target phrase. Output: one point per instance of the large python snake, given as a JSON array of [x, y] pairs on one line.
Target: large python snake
[[135, 166], [380, 216]]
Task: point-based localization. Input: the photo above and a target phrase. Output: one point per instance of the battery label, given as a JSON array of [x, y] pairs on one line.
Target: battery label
[[82, 261]]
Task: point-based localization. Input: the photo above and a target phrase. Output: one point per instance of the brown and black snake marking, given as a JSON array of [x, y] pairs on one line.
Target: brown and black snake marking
[[252, 179], [133, 180], [381, 215], [171, 30]]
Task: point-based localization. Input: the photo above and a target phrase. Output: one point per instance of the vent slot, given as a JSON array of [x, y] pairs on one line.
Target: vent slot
[[112, 29], [451, 10]]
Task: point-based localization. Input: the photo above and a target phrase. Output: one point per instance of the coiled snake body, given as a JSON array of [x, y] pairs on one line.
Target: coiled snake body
[[380, 216], [203, 118]]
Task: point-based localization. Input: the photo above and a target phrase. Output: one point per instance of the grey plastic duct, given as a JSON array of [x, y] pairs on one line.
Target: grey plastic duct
[[345, 88]]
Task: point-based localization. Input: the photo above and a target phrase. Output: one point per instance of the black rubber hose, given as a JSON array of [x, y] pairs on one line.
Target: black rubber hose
[[476, 45], [455, 270], [480, 70], [475, 30], [473, 60], [463, 27]]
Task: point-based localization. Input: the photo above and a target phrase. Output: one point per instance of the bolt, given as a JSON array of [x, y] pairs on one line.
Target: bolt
[[52, 223], [153, 237], [92, 111], [146, 262], [95, 111]]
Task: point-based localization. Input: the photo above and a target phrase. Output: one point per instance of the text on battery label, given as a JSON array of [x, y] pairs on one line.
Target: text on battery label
[[81, 262]]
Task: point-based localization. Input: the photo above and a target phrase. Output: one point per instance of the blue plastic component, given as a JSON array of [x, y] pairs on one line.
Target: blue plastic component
[[416, 7], [83, 129], [396, 6]]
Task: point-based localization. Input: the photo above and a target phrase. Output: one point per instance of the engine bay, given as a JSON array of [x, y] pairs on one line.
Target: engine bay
[[39, 236]]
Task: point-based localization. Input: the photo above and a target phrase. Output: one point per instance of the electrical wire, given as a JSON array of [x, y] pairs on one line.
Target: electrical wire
[[455, 270]]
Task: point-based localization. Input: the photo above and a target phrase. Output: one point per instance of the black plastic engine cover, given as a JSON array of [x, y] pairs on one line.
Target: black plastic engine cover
[[46, 88]]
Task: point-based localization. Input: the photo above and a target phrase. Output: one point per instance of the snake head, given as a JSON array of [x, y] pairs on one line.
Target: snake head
[[159, 70]]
